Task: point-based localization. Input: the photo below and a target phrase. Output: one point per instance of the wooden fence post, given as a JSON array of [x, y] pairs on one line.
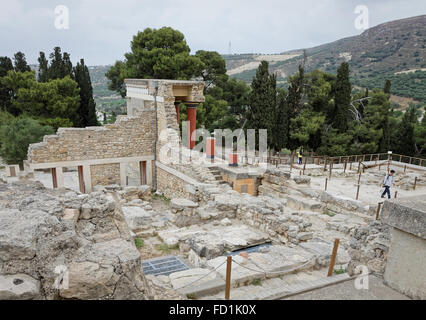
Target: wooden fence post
[[333, 257], [357, 192], [379, 205], [326, 180], [228, 277], [415, 182]]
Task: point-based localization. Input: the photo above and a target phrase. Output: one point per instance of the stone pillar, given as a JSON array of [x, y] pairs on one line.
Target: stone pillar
[[60, 177], [191, 111], [87, 178], [149, 172], [123, 174], [177, 106]]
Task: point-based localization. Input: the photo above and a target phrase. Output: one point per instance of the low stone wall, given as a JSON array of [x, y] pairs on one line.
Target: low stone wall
[[174, 184], [405, 268]]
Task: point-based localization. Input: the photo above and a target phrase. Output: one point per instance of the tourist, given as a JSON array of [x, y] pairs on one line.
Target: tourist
[[299, 157], [387, 183]]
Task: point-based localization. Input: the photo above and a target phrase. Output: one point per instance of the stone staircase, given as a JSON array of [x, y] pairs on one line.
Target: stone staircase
[[217, 175]]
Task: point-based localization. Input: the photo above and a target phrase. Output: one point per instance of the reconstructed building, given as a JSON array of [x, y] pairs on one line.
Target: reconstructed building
[[102, 154]]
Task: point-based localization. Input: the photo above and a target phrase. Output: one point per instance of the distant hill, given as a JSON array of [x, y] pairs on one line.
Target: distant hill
[[394, 50]]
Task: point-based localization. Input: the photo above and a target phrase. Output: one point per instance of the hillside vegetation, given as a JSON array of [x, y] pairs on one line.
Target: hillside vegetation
[[373, 56]]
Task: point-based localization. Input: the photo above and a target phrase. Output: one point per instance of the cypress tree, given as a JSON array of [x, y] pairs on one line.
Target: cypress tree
[[342, 98], [405, 140], [67, 66], [387, 87], [21, 63], [262, 101], [5, 66], [294, 100], [86, 114], [43, 68], [282, 122]]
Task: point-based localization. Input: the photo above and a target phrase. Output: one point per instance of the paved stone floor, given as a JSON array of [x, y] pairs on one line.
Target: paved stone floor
[[347, 291]]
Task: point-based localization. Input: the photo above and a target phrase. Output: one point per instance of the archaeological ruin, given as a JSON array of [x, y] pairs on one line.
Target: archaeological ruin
[[101, 213]]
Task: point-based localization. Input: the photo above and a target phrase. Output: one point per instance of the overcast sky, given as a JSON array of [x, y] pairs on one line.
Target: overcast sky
[[101, 30]]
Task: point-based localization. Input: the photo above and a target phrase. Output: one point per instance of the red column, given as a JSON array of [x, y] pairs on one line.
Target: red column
[[177, 111], [54, 178], [233, 159], [191, 112], [142, 167], [210, 143]]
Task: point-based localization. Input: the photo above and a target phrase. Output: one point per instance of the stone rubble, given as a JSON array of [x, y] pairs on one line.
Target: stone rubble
[[45, 232]]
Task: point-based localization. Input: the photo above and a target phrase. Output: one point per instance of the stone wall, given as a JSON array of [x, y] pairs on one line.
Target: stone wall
[[405, 267], [128, 137], [173, 186], [105, 174]]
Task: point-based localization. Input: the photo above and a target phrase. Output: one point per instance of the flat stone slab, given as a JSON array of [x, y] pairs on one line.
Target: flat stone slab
[[19, 287], [242, 272], [211, 241], [197, 281], [181, 204], [279, 260], [407, 214], [322, 250], [217, 240]]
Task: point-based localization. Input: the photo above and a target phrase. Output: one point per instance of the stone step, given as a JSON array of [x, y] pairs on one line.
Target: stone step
[[301, 203], [279, 288]]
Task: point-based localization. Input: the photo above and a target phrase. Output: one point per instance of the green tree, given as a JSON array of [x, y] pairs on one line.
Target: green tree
[[60, 65], [214, 67], [334, 143], [116, 74], [43, 68], [294, 99], [16, 136], [58, 98], [306, 126], [342, 98], [405, 139], [262, 101], [12, 82], [20, 62], [387, 87], [5, 94], [282, 121], [86, 113], [156, 54], [420, 137]]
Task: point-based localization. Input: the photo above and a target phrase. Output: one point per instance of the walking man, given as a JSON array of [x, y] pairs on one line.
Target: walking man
[[387, 183]]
